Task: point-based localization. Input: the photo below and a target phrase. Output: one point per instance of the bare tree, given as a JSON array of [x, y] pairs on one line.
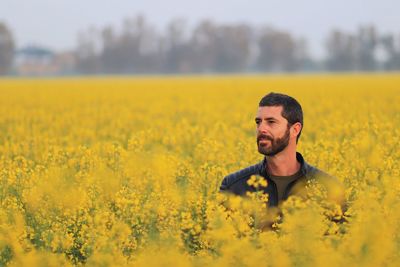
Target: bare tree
[[203, 43], [367, 42], [278, 51], [88, 51], [342, 51], [6, 49], [233, 48], [138, 46], [176, 49], [221, 48]]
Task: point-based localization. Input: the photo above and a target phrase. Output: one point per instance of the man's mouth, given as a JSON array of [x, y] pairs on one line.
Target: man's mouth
[[263, 141]]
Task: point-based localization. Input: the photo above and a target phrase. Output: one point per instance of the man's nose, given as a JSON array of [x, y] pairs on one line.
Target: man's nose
[[262, 128]]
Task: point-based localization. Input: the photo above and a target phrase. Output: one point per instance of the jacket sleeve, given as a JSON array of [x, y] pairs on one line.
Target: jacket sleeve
[[224, 185], [335, 189]]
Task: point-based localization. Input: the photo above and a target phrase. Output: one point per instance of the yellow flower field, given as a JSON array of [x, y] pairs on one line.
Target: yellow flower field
[[125, 172]]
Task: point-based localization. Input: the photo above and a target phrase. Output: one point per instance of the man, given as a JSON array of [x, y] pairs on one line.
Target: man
[[279, 123]]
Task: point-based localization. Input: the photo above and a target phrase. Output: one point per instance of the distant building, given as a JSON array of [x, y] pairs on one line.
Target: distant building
[[39, 61]]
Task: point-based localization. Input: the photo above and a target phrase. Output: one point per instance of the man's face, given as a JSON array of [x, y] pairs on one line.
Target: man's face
[[273, 133]]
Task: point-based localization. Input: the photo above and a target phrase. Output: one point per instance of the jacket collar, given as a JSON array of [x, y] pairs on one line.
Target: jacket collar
[[299, 157]]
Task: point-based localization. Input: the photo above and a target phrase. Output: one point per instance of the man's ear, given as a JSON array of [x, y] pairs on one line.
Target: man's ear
[[296, 128]]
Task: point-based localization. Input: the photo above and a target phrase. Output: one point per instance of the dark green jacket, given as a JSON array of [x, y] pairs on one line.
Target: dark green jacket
[[236, 183]]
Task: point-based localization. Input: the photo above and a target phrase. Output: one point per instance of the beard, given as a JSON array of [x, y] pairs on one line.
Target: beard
[[277, 144]]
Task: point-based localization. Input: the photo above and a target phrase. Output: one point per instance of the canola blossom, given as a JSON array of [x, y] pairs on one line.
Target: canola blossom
[[119, 171]]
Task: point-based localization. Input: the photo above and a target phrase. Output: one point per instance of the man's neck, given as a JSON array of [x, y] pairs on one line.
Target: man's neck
[[283, 164]]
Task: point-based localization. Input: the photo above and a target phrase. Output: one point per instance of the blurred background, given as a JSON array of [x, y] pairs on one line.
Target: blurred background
[[61, 38]]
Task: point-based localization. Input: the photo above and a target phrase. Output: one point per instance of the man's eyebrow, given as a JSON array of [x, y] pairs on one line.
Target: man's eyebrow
[[267, 118]]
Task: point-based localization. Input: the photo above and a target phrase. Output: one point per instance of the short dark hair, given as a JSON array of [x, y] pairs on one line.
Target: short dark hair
[[291, 111]]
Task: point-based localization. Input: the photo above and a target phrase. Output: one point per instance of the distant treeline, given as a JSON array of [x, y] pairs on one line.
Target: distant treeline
[[209, 47]]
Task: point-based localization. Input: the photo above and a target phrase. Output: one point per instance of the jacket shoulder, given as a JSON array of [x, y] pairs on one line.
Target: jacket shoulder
[[315, 173], [240, 175], [332, 184]]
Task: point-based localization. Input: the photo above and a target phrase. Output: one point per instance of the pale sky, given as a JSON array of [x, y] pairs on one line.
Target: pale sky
[[55, 23]]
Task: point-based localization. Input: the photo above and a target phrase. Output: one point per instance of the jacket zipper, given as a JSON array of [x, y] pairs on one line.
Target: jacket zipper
[[275, 191]]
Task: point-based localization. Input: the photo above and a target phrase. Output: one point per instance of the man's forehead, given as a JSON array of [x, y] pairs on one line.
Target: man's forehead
[[270, 111]]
